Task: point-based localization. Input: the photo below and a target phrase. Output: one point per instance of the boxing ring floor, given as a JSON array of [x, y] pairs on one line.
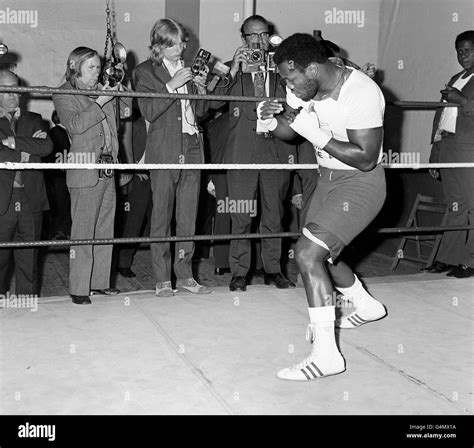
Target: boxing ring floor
[[219, 354]]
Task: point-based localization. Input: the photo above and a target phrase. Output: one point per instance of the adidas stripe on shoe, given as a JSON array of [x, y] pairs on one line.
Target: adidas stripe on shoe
[[311, 369], [363, 315]]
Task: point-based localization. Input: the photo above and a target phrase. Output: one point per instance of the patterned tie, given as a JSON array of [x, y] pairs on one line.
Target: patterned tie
[[259, 84], [13, 122]]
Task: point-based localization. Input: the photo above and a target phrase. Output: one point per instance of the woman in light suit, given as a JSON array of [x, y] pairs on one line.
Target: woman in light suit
[[91, 124]]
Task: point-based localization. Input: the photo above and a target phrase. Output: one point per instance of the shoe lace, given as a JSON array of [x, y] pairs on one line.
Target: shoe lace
[[310, 333]]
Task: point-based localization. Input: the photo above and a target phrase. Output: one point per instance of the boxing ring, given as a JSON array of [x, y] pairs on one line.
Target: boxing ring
[[138, 354]]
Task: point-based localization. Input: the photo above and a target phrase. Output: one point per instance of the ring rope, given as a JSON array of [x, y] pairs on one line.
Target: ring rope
[[161, 239], [189, 96], [208, 166], [42, 166]]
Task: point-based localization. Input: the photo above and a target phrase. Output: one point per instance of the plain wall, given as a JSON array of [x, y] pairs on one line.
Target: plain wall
[[417, 57], [65, 24]]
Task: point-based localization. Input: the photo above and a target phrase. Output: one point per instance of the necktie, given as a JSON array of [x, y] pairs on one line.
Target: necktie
[[18, 181], [13, 123], [259, 84]]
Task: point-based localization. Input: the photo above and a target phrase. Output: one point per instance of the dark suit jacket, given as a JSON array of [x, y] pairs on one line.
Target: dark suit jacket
[[465, 121], [164, 141], [61, 144], [463, 140], [83, 117], [28, 124], [242, 143], [215, 137], [138, 138]]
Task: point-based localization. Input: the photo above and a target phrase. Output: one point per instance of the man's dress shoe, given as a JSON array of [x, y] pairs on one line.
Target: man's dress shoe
[[105, 292], [81, 300], [461, 271], [437, 267], [278, 280], [238, 283]]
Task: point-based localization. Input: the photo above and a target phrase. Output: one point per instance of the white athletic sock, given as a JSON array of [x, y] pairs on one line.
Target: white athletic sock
[[325, 358], [322, 323], [357, 294]]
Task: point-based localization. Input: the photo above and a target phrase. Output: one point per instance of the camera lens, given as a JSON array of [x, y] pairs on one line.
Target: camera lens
[[256, 56], [195, 68]]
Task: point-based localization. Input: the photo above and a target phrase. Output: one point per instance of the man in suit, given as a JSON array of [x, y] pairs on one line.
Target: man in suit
[[249, 144], [216, 143], [140, 202], [173, 137], [56, 187], [453, 142], [22, 193]]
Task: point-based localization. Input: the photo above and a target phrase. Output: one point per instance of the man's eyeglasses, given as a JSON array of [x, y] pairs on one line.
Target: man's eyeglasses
[[255, 36]]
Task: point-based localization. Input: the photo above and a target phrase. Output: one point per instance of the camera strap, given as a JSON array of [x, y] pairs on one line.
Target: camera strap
[[108, 138]]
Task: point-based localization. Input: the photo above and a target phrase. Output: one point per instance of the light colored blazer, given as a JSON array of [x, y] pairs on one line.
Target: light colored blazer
[[83, 118]]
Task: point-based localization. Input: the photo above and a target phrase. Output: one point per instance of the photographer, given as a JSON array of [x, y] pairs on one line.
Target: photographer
[[247, 143], [91, 123], [173, 137]]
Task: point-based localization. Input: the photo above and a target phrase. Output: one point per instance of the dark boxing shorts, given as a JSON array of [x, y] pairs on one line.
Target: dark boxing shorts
[[344, 204]]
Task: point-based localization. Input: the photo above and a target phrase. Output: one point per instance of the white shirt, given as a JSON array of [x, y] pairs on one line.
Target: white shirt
[[360, 105], [187, 116], [449, 116]]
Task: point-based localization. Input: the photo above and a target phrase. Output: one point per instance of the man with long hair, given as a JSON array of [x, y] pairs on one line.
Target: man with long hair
[[173, 137]]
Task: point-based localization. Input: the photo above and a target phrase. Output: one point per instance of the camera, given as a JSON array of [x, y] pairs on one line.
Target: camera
[[3, 49], [199, 65], [255, 57], [219, 71], [114, 75], [106, 173], [113, 70]]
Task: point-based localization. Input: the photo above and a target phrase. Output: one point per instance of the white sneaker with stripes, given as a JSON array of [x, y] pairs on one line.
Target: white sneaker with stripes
[[315, 366], [370, 312]]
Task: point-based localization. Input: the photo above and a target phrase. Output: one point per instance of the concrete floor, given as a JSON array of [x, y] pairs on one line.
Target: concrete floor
[[218, 354]]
